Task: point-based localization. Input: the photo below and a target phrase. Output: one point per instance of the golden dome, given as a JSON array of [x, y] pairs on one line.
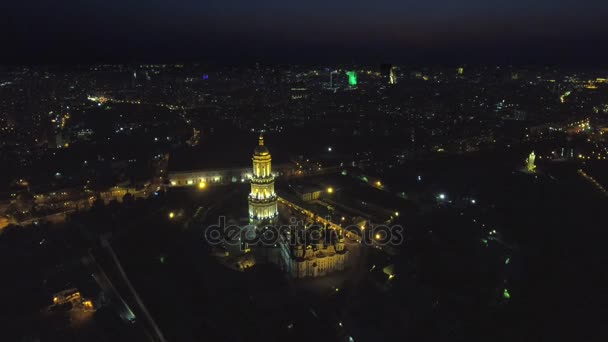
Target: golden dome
[[261, 150]]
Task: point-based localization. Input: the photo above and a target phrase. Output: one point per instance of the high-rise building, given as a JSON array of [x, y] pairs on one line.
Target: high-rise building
[[392, 77], [262, 199], [331, 78], [352, 78]]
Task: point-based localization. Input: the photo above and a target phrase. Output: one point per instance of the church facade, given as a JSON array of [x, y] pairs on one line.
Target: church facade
[[315, 260]]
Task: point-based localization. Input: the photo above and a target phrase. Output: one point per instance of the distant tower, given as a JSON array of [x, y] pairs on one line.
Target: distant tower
[[530, 162], [352, 78], [331, 78], [392, 76], [262, 199]]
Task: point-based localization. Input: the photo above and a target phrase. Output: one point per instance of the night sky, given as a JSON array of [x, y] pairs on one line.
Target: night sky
[[235, 31]]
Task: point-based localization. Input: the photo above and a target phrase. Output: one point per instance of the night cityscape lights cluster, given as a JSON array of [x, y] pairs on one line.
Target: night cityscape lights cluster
[[185, 171]]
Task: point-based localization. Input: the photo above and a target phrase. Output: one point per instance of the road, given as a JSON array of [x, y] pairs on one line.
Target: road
[[150, 323], [110, 290]]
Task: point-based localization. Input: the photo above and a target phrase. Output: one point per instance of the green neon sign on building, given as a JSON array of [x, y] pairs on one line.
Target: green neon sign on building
[[352, 78]]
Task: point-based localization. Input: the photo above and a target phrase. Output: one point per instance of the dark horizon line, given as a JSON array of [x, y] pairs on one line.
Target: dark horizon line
[[268, 62]]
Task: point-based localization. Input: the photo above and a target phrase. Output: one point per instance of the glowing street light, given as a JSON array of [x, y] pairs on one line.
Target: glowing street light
[[202, 185], [378, 236], [330, 190], [329, 149], [171, 215], [397, 213], [441, 196]]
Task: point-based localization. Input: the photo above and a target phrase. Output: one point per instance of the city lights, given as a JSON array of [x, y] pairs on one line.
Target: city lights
[[295, 175]]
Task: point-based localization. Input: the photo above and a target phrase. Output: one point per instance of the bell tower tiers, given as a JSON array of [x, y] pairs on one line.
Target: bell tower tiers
[[262, 198]]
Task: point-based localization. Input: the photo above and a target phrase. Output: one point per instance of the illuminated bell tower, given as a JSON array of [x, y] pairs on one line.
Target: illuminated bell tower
[[262, 199]]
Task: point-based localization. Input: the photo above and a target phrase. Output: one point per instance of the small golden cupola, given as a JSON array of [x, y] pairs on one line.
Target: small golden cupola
[[261, 150]]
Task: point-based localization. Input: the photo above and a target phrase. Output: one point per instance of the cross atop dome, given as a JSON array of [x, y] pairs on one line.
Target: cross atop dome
[[261, 140]]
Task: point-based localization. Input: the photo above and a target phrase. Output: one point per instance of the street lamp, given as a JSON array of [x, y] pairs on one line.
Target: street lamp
[[330, 190]]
